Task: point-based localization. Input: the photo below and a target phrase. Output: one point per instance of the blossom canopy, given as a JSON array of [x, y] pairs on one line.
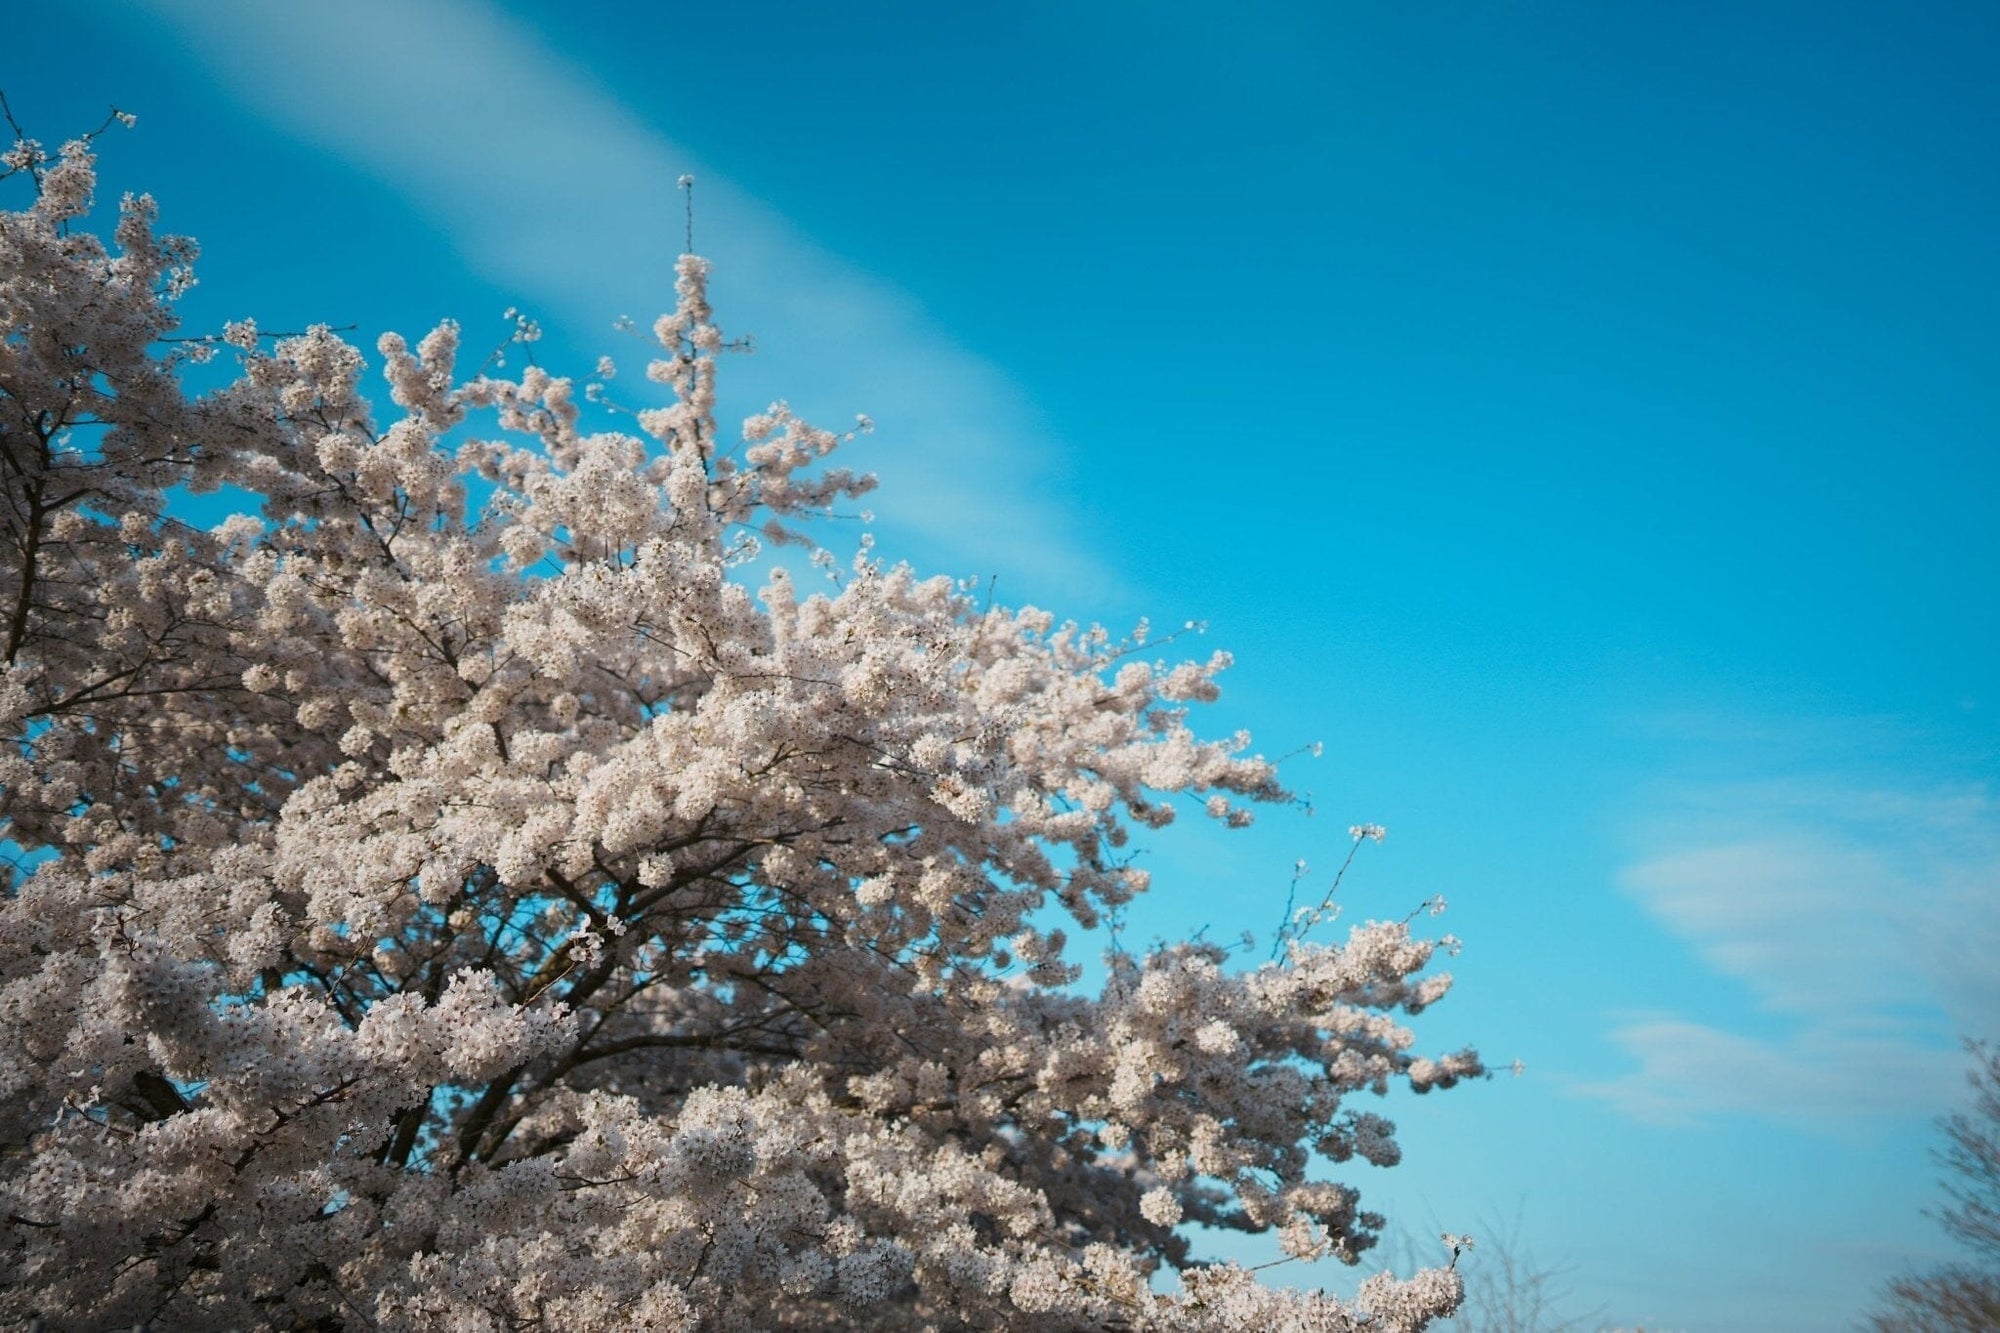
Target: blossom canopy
[[452, 896]]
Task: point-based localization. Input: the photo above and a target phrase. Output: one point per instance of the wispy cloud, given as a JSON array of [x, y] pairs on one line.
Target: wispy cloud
[[1861, 915], [550, 187], [1822, 1073]]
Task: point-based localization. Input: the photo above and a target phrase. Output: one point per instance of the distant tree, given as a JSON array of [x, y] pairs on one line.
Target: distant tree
[[1961, 1296], [452, 897], [1508, 1290]]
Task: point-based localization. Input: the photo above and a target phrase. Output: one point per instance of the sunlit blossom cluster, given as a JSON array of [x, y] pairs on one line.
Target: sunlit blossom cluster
[[455, 896]]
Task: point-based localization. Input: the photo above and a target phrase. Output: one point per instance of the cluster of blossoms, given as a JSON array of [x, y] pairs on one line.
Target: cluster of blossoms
[[451, 898]]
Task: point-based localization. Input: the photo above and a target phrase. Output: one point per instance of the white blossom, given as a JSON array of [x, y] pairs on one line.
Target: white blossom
[[456, 900]]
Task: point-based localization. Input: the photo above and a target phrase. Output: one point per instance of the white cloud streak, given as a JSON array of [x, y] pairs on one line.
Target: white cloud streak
[[550, 187], [1822, 1074], [1864, 919]]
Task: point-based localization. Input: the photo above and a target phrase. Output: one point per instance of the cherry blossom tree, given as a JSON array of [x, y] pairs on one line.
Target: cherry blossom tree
[[456, 895]]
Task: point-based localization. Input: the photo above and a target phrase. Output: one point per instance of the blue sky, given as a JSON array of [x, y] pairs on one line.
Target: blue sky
[[1579, 417]]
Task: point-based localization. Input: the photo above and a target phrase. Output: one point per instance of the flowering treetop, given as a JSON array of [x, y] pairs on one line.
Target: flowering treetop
[[451, 898]]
